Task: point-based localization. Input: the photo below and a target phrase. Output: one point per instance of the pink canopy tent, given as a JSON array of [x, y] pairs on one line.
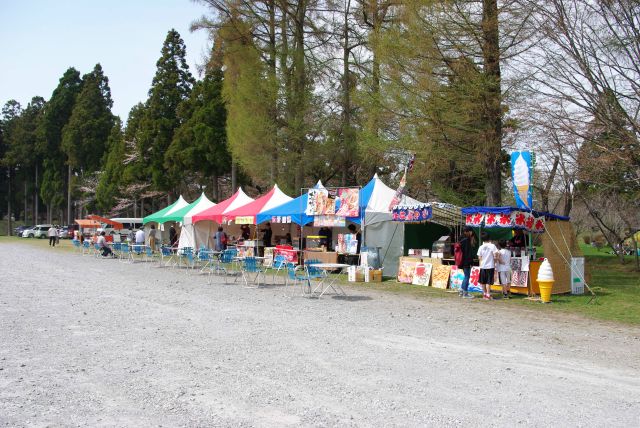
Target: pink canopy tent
[[246, 214], [218, 212]]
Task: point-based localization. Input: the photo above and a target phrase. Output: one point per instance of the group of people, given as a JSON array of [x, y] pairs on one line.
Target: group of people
[[222, 239], [491, 259], [137, 237]]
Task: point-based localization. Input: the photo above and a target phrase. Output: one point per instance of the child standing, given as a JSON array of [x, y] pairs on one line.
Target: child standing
[[504, 268], [487, 254]]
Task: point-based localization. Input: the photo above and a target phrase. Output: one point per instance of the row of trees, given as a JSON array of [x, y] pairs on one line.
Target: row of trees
[[296, 91], [71, 155]]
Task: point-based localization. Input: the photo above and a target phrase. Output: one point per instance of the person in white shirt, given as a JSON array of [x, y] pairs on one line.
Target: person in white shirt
[[504, 268], [487, 254], [52, 233]]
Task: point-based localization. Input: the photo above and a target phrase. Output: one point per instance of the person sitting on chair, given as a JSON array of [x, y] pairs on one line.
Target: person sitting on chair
[[104, 245]]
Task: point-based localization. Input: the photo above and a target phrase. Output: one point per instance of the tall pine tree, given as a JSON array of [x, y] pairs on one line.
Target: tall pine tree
[[55, 116], [171, 85], [200, 143]]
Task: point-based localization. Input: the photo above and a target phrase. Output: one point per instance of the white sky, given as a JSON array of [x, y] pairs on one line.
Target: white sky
[[42, 38]]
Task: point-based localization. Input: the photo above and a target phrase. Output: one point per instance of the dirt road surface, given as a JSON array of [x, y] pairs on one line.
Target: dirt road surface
[[92, 342]]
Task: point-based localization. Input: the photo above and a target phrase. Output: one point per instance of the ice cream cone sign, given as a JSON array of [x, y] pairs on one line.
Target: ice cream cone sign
[[545, 281], [521, 170]]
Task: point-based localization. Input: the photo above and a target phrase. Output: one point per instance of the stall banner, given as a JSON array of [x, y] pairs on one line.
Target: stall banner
[[474, 219], [422, 274], [348, 202], [290, 255], [521, 176], [328, 221], [538, 225], [420, 212], [244, 220], [321, 202], [497, 220], [281, 219], [522, 220]]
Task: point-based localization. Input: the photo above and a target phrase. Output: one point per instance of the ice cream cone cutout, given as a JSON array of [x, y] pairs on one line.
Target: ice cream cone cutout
[[545, 281]]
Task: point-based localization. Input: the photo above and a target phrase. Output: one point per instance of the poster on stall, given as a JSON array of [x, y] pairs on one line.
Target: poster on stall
[[328, 221], [457, 276], [321, 202], [521, 176], [422, 274], [281, 219], [406, 269], [440, 276], [474, 279], [519, 278], [348, 200], [268, 256]]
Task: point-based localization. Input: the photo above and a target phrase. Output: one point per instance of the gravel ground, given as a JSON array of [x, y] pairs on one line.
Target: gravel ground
[[91, 342]]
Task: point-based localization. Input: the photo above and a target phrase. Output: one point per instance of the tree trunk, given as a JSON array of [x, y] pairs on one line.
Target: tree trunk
[[234, 177], [68, 196], [9, 228], [36, 202], [492, 109], [25, 201], [214, 187]]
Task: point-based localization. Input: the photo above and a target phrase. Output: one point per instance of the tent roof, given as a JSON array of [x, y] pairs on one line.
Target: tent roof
[[216, 213], [197, 207], [274, 198], [158, 216], [116, 225], [375, 198], [88, 223], [178, 215], [295, 208]]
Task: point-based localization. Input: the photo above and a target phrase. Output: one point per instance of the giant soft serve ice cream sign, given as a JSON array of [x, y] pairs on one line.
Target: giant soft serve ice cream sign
[[521, 176]]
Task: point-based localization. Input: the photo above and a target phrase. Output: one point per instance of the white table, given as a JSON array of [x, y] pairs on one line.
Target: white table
[[329, 280]]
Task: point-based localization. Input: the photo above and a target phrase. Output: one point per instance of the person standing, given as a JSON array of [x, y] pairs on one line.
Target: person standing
[[467, 246], [152, 238], [52, 233], [504, 268], [173, 236], [487, 254], [266, 238], [352, 230], [221, 240]]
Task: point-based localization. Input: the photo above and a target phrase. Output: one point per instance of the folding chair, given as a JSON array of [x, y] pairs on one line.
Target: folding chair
[[167, 256], [86, 247], [297, 274], [279, 263], [227, 263], [126, 255], [250, 266], [77, 245]]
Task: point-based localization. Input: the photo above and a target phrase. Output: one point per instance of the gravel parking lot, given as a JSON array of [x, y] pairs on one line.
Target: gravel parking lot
[[92, 342]]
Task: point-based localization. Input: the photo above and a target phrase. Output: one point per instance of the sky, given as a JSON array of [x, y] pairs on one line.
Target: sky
[[41, 39]]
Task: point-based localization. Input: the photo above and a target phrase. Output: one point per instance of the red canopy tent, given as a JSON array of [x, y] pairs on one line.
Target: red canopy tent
[[246, 214], [217, 212]]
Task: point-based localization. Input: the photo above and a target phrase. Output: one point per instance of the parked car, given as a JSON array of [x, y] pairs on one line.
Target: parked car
[[38, 231], [18, 230], [64, 232]]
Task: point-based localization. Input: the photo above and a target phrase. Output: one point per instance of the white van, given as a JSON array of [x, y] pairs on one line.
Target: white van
[[128, 223]]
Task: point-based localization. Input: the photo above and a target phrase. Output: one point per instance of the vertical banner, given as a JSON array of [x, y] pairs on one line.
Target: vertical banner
[[521, 176]]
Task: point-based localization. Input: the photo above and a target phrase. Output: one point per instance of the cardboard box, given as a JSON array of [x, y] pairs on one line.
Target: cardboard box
[[375, 275]]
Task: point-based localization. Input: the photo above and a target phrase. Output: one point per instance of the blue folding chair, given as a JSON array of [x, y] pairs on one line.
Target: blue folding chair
[[251, 266], [227, 263], [297, 275]]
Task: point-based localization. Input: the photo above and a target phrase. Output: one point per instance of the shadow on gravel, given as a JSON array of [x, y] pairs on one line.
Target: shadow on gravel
[[352, 298]]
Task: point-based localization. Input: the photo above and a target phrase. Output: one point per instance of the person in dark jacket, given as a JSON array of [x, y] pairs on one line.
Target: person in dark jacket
[[467, 245]]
